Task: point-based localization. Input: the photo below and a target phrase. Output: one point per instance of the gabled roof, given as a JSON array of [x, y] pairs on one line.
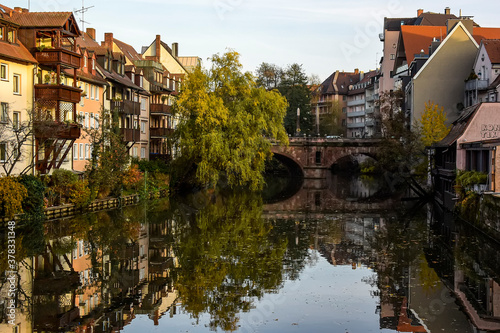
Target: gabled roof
[[417, 38], [189, 61], [492, 47], [394, 24], [339, 82], [64, 20], [128, 50]]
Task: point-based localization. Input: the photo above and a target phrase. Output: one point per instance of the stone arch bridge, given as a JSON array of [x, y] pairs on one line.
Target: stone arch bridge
[[313, 157]]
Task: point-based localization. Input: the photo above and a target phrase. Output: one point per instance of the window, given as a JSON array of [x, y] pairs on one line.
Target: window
[[93, 64], [2, 33], [11, 36], [4, 72], [91, 92], [75, 151], [4, 115], [81, 118], [86, 91], [96, 93], [91, 120], [143, 152], [96, 121], [87, 120], [135, 152], [86, 151], [143, 104], [85, 61], [3, 152], [81, 151], [143, 126], [140, 81], [16, 119], [17, 84]]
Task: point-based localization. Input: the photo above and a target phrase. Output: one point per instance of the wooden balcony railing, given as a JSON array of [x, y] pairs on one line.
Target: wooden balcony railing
[[131, 134], [53, 129], [127, 107], [54, 92], [160, 132], [160, 109], [52, 57]]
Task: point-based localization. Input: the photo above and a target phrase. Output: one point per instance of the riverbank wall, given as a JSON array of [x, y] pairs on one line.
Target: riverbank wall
[[68, 210]]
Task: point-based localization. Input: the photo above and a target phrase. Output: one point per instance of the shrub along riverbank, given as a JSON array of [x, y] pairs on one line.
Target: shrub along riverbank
[[28, 198]]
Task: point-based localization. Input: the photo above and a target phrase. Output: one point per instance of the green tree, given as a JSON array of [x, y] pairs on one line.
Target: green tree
[[268, 76], [294, 87], [226, 124], [432, 124]]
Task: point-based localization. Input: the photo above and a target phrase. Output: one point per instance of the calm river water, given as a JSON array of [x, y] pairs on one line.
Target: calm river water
[[340, 255]]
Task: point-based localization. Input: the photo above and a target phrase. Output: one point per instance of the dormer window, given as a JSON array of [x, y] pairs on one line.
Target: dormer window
[[93, 64], [85, 61], [140, 81], [2, 33], [132, 77], [11, 36]]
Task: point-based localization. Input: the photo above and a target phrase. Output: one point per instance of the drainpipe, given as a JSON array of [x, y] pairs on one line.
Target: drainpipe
[[33, 148]]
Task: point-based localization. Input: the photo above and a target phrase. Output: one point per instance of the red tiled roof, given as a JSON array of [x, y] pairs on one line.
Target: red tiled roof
[[485, 33], [418, 37], [41, 19], [16, 52], [128, 50], [492, 47]]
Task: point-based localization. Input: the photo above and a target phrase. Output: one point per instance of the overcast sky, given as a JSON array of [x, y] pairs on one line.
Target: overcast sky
[[322, 35]]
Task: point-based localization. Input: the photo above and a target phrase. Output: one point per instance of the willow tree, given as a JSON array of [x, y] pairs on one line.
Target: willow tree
[[226, 125]]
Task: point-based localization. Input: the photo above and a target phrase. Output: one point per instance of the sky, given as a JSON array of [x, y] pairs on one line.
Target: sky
[[321, 35]]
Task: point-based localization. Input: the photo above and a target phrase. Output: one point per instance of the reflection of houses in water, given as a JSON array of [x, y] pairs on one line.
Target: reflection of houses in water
[[469, 264]]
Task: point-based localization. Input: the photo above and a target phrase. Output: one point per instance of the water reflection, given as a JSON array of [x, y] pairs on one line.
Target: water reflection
[[331, 255]]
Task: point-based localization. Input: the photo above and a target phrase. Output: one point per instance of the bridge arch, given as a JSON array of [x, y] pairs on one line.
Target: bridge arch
[[315, 156]]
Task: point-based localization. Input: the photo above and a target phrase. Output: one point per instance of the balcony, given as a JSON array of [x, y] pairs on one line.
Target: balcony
[[53, 129], [369, 110], [52, 57], [160, 132], [160, 109], [54, 92], [370, 122], [476, 85], [131, 134], [356, 125], [370, 98], [356, 102], [355, 114], [127, 107]]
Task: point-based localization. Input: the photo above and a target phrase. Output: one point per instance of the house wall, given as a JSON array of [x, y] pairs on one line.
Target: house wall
[[22, 103], [441, 79], [390, 43], [484, 125]]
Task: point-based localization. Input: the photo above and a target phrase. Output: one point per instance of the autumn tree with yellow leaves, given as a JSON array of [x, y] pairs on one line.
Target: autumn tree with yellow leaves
[[433, 127], [226, 125]]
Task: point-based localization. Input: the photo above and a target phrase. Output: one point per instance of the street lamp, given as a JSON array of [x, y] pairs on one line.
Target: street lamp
[[298, 122]]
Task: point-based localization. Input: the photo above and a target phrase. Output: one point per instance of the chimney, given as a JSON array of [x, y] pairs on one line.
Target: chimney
[[158, 47], [108, 40], [356, 70], [447, 11], [175, 49], [18, 9], [91, 33], [420, 12]]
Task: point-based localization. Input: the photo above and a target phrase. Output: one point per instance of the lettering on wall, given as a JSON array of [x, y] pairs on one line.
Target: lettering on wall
[[490, 131]]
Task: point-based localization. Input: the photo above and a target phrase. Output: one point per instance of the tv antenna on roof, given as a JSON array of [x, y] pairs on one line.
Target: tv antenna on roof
[[83, 10]]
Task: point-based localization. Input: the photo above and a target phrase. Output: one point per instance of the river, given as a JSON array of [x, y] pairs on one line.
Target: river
[[337, 255]]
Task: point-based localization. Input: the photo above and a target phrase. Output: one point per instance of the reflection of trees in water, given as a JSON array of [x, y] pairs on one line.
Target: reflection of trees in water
[[229, 256]]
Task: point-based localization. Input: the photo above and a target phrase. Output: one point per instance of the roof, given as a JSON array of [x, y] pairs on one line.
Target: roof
[[339, 82], [458, 127], [128, 50], [42, 19], [417, 38], [16, 52], [394, 24], [366, 79], [480, 34], [189, 61], [123, 80], [492, 47], [85, 41], [433, 19], [495, 83]]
